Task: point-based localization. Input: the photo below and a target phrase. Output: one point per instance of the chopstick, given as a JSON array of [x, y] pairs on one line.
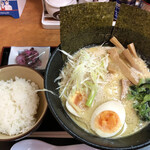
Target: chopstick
[[51, 134]]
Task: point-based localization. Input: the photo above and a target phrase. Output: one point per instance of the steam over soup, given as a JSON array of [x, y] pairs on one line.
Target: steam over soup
[[97, 89]]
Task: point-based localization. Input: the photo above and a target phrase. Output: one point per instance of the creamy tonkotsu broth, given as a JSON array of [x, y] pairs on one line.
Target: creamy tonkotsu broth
[[88, 71]]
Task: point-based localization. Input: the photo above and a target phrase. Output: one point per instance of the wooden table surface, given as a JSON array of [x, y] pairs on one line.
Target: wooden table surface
[[27, 30]]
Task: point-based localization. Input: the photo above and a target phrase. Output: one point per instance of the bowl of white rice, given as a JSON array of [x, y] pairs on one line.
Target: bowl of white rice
[[22, 104]]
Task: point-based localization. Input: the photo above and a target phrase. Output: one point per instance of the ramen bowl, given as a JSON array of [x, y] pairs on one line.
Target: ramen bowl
[[74, 38], [134, 141]]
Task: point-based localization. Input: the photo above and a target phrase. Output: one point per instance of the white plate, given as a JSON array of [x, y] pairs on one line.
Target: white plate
[[32, 144], [15, 51]]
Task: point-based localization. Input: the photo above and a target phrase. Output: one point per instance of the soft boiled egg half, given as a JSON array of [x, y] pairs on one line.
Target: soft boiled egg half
[[108, 119], [76, 103]]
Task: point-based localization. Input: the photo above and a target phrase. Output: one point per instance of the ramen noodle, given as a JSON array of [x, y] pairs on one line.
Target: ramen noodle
[[94, 87]]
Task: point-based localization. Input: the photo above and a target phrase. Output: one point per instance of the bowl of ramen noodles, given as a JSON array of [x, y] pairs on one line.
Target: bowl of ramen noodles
[[100, 94], [99, 82]]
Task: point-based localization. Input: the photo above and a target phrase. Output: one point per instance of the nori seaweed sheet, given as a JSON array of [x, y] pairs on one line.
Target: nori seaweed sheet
[[85, 24], [133, 25]]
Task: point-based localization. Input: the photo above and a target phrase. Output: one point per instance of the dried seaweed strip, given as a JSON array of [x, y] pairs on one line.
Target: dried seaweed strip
[[133, 26], [85, 24]]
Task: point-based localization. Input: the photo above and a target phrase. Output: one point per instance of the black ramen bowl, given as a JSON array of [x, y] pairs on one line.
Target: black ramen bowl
[[135, 141], [127, 30]]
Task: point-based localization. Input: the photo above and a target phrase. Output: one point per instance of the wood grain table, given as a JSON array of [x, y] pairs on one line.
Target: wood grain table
[[27, 30]]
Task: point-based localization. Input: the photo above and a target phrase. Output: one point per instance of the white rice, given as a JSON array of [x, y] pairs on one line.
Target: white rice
[[18, 105]]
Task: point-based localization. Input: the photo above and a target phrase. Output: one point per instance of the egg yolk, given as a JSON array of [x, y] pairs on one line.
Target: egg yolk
[[78, 98], [78, 101], [108, 121]]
